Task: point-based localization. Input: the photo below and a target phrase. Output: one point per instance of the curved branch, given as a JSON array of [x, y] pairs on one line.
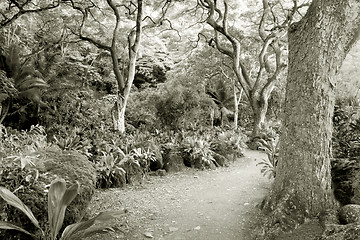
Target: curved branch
[[21, 11]]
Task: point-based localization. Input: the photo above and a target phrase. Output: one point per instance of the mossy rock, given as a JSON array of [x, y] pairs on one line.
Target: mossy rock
[[173, 159], [134, 171], [341, 232], [349, 214], [71, 166]]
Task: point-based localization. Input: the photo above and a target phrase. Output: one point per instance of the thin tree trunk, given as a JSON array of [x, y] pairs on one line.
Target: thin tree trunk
[[134, 39], [212, 114], [236, 106]]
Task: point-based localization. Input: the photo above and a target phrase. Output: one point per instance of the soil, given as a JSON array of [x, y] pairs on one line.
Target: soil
[[192, 204]]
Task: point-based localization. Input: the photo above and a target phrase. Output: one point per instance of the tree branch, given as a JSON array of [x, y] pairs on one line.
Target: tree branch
[[21, 11]]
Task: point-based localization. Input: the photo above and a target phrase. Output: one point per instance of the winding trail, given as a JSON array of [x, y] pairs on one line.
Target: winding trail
[[210, 204]]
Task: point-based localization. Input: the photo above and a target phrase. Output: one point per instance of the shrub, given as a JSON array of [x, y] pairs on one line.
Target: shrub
[[178, 106], [199, 152], [30, 183], [268, 131], [109, 172], [345, 180], [229, 143]]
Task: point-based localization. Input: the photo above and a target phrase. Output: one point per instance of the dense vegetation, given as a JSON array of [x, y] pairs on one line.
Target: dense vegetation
[[58, 90]]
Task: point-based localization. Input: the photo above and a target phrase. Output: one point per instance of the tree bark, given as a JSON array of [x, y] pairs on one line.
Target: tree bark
[[236, 105], [318, 45], [260, 108]]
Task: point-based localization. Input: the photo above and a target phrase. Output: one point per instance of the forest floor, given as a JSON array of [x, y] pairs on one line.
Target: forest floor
[[193, 204]]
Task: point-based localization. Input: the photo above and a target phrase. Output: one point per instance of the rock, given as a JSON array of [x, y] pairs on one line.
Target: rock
[[349, 214], [72, 166], [160, 172], [173, 229], [134, 172], [210, 164], [341, 232], [329, 216], [148, 234], [173, 160]]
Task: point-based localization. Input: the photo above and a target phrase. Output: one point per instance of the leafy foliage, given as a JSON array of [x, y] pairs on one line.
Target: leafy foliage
[[346, 136], [229, 142], [178, 106], [7, 86], [199, 150], [271, 148], [59, 197]]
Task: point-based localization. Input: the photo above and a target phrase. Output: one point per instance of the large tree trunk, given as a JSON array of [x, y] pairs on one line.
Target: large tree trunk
[[318, 45]]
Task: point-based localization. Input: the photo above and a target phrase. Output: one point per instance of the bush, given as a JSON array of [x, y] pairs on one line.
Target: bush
[[268, 131], [179, 106], [229, 143], [30, 183], [198, 150]]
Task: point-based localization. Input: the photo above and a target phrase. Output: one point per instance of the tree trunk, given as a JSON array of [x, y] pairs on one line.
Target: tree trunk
[[124, 87], [118, 114], [318, 45], [236, 106], [260, 108]]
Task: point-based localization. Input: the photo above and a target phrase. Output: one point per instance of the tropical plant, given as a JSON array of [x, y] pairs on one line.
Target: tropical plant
[[271, 148], [221, 98], [73, 141], [109, 171], [7, 91], [27, 81], [230, 142], [199, 150], [145, 156], [59, 197]]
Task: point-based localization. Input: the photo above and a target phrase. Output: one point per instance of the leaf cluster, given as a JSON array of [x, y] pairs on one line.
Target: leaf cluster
[[59, 197]]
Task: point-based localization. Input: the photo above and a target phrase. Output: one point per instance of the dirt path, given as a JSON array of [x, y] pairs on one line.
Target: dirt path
[[217, 204]]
